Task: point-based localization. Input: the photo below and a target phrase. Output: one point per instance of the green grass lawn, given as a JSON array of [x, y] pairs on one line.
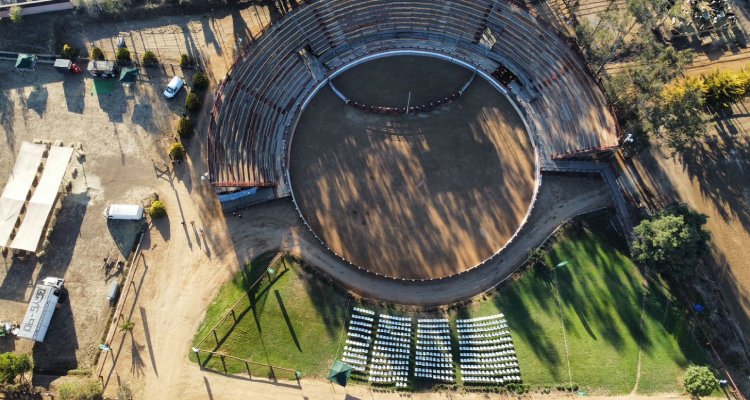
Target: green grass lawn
[[601, 296], [606, 318], [296, 322]]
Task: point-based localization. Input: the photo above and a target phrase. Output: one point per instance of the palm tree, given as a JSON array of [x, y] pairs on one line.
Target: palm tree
[[127, 326]]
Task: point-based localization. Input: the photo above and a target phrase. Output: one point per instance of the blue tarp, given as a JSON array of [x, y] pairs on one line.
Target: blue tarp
[[237, 195]]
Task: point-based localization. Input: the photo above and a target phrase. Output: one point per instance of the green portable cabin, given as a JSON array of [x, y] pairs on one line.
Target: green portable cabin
[[26, 62]]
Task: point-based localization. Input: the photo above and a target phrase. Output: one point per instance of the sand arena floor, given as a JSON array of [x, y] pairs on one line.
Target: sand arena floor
[[418, 196]]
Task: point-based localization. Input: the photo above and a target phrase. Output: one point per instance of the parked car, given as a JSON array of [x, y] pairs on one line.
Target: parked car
[[173, 87]]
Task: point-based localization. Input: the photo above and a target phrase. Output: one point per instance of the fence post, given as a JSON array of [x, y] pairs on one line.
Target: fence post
[[247, 366], [234, 317], [216, 337], [223, 364]]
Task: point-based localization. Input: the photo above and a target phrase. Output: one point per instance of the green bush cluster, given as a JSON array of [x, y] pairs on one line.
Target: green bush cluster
[[15, 14], [200, 81], [149, 57], [157, 209], [567, 387], [720, 88], [192, 102], [96, 53], [122, 54], [12, 365], [185, 61], [67, 51], [699, 381], [90, 389], [184, 126], [177, 151]]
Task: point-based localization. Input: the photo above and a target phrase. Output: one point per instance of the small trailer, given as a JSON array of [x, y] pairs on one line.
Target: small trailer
[[42, 306], [63, 66], [103, 69]]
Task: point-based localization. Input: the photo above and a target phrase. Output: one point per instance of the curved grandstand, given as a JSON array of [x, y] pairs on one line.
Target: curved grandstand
[[263, 94]]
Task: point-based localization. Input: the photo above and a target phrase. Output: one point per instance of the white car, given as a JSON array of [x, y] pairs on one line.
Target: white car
[[174, 87]]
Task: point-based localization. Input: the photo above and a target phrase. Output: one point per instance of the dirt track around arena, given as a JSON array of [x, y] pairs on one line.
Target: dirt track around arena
[[419, 196]]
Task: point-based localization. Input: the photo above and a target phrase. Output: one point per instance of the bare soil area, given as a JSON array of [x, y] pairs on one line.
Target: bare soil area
[[420, 196]]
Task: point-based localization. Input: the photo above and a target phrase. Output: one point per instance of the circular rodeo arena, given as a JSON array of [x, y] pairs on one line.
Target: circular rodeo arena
[[410, 135]]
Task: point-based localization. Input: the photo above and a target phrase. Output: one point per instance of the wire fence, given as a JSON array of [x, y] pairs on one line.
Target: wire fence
[[208, 350]]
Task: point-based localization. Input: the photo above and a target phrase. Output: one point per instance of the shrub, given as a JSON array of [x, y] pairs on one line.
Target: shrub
[[184, 126], [699, 381], [177, 151], [192, 102], [722, 88], [89, 389], [157, 209], [12, 365], [122, 54], [200, 81], [96, 53], [67, 51], [15, 14], [537, 258], [185, 61], [149, 57]]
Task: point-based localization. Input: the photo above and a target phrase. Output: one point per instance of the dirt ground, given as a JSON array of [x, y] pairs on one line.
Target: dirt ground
[[124, 135], [420, 196]]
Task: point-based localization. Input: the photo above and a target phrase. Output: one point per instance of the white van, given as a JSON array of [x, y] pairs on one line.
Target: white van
[[124, 211], [173, 87]]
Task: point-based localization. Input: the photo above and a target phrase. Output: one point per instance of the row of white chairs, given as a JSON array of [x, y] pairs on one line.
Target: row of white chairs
[[364, 311], [361, 330], [360, 323], [487, 348], [388, 379], [353, 361], [379, 339], [478, 364], [391, 349], [501, 339], [359, 336], [356, 343], [484, 335], [390, 355], [363, 318], [355, 349], [394, 325], [433, 320], [432, 331], [434, 348], [355, 355], [488, 356], [386, 316], [395, 332], [388, 367], [430, 356], [433, 364], [489, 372], [500, 345], [445, 327], [433, 336], [482, 329], [485, 379], [489, 317], [433, 343], [391, 361], [422, 373], [482, 324]]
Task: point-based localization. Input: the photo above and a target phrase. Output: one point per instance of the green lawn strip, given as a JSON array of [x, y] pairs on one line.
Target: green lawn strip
[[315, 311]]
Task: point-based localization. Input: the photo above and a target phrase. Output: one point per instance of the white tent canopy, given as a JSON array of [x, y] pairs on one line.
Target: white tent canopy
[[18, 186], [41, 203]]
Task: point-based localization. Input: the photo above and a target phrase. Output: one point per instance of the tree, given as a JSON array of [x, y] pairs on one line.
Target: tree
[[12, 365], [185, 61], [679, 119], [699, 381], [90, 389], [192, 102], [96, 53], [184, 126], [15, 14], [177, 151], [122, 54], [672, 239], [200, 81], [722, 88], [157, 209], [537, 259], [149, 57], [127, 325]]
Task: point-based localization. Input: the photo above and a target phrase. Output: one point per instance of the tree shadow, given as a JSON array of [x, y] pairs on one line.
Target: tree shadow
[[287, 320], [37, 100], [74, 90]]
